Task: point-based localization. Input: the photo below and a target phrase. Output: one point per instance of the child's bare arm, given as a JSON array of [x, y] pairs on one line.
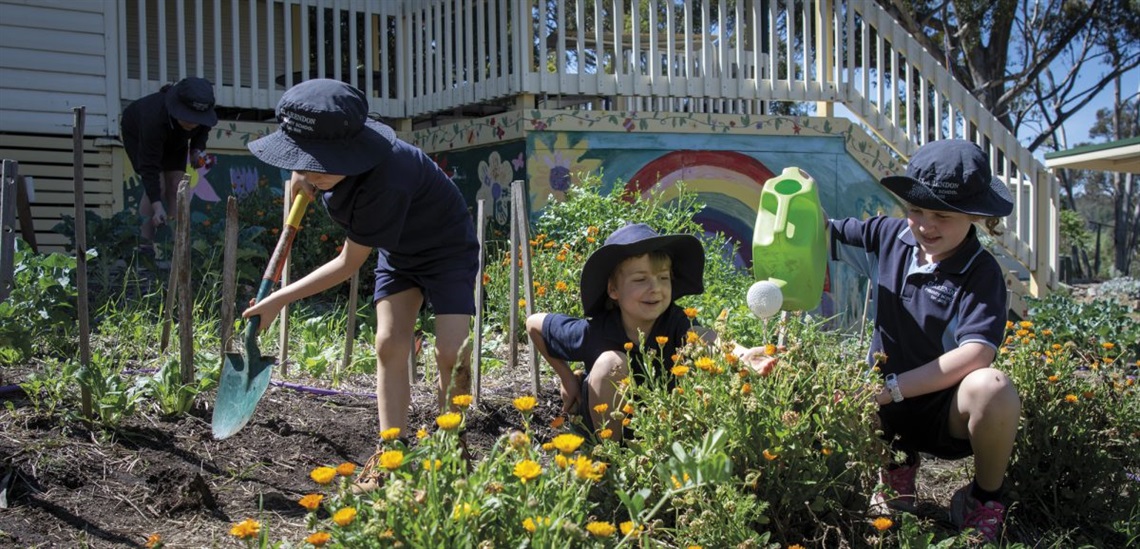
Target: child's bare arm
[[946, 370]]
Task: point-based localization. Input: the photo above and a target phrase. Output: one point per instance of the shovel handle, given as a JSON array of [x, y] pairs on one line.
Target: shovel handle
[[277, 260]]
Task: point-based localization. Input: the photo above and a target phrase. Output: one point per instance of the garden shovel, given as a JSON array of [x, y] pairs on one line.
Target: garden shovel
[[245, 378]]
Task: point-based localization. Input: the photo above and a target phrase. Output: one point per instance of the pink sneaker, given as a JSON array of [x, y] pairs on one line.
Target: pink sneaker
[[986, 518], [902, 493]]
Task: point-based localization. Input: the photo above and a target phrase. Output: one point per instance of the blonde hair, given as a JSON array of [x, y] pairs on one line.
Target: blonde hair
[[659, 260]]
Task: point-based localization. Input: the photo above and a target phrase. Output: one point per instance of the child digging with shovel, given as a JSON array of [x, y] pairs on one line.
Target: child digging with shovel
[[389, 196]]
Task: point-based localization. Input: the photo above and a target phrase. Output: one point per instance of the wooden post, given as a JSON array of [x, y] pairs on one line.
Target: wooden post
[[185, 292], [477, 362], [81, 253], [24, 213], [283, 317], [168, 301], [519, 213], [512, 324], [229, 275], [350, 329], [9, 178]]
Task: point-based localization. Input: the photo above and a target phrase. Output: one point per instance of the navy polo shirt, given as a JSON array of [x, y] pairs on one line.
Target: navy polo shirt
[[408, 209], [921, 312], [580, 340], [150, 135]]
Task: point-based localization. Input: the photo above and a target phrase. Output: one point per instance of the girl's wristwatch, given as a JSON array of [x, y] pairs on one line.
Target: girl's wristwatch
[[893, 388]]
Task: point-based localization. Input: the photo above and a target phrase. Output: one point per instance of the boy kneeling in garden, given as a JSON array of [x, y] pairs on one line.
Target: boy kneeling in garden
[[629, 287]]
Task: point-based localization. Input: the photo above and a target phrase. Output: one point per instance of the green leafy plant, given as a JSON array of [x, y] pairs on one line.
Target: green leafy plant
[[40, 312]]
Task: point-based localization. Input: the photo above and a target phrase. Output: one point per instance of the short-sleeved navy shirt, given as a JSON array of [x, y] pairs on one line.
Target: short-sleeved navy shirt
[[155, 142], [921, 312], [581, 340], [409, 210]]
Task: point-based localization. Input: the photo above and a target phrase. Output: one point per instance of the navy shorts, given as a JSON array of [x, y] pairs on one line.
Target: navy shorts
[[921, 424], [447, 292]]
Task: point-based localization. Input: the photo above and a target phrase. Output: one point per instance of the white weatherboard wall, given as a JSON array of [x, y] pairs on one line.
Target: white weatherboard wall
[[53, 57]]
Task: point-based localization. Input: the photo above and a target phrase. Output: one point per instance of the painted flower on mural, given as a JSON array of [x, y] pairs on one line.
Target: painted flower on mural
[[552, 165], [559, 172], [243, 181], [198, 166], [495, 176]]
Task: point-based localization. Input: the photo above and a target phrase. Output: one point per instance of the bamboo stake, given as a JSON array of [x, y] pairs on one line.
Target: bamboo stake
[[477, 363], [185, 292], [229, 275], [81, 254]]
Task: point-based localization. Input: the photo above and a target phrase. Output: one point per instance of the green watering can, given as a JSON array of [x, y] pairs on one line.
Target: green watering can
[[789, 247]]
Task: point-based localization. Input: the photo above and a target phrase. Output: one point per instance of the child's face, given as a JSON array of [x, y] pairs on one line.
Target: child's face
[[642, 289], [938, 233], [320, 181]]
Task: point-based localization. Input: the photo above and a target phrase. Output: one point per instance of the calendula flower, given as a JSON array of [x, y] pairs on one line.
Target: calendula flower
[[561, 461], [1071, 398], [1108, 346], [1053, 378], [769, 455], [731, 358], [318, 539], [430, 465], [421, 434], [826, 451], [522, 303], [1025, 324], [882, 523], [345, 516], [486, 279], [587, 469], [153, 540], [662, 340], [527, 470], [704, 363], [605, 434], [561, 286], [311, 501], [627, 409], [628, 346], [449, 421], [796, 546], [746, 388], [390, 434], [392, 459], [691, 312], [462, 401], [346, 469], [528, 525], [692, 337], [770, 349], [1046, 332], [567, 443], [557, 422], [678, 390], [464, 510], [246, 529], [525, 403], [600, 529], [628, 527], [323, 475], [601, 408]]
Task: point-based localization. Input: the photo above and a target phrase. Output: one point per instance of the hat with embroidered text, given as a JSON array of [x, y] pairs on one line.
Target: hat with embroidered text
[[325, 128], [192, 100], [952, 175]]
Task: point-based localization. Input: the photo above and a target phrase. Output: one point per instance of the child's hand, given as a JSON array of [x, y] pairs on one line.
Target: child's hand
[[266, 309], [759, 361], [571, 389]]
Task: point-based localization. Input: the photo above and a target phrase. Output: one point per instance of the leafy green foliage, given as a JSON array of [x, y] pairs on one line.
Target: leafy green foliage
[[40, 312]]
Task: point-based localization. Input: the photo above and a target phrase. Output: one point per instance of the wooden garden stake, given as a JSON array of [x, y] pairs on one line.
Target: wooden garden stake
[[350, 330], [512, 324], [477, 362], [81, 254], [185, 292], [519, 213], [229, 275], [283, 317], [171, 295], [8, 181]]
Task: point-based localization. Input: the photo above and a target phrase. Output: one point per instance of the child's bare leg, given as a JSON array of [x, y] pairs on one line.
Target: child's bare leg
[[608, 370], [395, 327], [453, 356], [988, 409]]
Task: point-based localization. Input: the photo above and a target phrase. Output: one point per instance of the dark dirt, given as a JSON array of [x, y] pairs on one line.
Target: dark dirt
[[79, 488]]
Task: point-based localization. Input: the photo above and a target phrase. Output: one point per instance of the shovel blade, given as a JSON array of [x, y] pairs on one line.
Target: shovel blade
[[242, 383]]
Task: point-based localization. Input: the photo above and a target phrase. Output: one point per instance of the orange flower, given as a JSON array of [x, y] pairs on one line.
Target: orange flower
[[486, 279], [345, 516], [153, 540], [246, 529], [769, 455], [662, 340], [318, 539], [557, 422], [746, 388], [605, 434], [628, 346], [1071, 398], [311, 501], [691, 312], [345, 469]]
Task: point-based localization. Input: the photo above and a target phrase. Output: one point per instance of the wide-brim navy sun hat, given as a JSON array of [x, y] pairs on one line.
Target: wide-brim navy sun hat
[[192, 100], [952, 175], [685, 251], [325, 128]]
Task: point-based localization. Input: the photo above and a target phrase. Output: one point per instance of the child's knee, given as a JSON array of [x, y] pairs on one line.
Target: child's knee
[[990, 386], [611, 364]]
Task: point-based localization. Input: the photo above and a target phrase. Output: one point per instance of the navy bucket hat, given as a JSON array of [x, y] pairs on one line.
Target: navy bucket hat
[[192, 100], [324, 128], [685, 251], [952, 175]]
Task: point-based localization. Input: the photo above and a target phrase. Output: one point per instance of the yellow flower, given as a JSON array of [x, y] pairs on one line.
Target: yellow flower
[[678, 390], [346, 469], [601, 408], [390, 434], [528, 525], [1025, 324], [323, 475], [449, 421], [628, 527], [628, 346], [522, 303], [246, 529], [525, 403], [421, 434], [882, 523], [796, 546], [826, 451], [592, 230], [600, 529], [153, 540], [561, 461], [731, 358], [392, 459], [345, 516], [318, 538], [567, 443], [1071, 398], [587, 469], [746, 388], [691, 337], [680, 370], [770, 349], [561, 286], [1046, 332], [627, 409], [694, 547], [769, 455], [430, 465], [463, 510], [1053, 378], [661, 340], [527, 470], [691, 312], [704, 363], [311, 501], [557, 422], [1108, 346], [462, 401], [605, 434]]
